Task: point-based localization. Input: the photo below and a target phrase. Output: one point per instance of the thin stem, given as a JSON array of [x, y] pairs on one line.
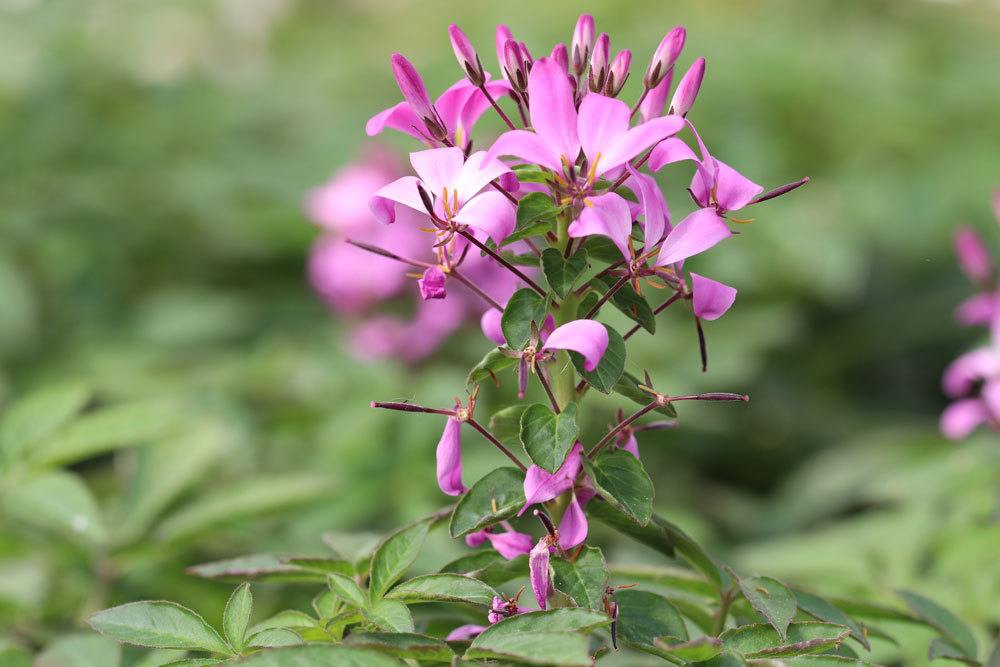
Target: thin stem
[[520, 110], [540, 372], [620, 426], [659, 309], [475, 288], [720, 618], [410, 407], [702, 345], [533, 247], [641, 161], [607, 295], [586, 286], [638, 102], [513, 269], [777, 192], [496, 443], [502, 190], [496, 106], [391, 255]]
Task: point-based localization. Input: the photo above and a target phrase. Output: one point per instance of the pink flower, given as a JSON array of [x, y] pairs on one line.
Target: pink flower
[[588, 337], [599, 62], [960, 378], [666, 54], [573, 526], [687, 88], [618, 73], [541, 485], [510, 544], [973, 256], [583, 43], [652, 105], [432, 284], [538, 569], [600, 128], [466, 55], [464, 633], [710, 299], [449, 458], [501, 609], [455, 186]]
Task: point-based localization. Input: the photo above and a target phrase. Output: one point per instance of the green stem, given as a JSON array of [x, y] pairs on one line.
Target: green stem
[[563, 375]]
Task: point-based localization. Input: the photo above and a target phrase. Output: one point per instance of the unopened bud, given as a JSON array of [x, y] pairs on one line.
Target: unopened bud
[[599, 63], [502, 36], [516, 65], [665, 56], [466, 55], [561, 56], [687, 89], [618, 73], [415, 94], [583, 43]]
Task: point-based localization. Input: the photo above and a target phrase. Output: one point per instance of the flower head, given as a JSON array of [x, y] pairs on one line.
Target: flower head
[[664, 57]]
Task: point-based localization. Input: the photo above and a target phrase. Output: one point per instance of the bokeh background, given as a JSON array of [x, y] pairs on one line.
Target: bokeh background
[[154, 157]]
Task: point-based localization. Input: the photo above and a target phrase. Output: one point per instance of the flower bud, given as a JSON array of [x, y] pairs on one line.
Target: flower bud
[[502, 36], [517, 65], [415, 94], [665, 56], [599, 63], [561, 56], [973, 256], [687, 89], [432, 284], [618, 73], [583, 42], [467, 57]]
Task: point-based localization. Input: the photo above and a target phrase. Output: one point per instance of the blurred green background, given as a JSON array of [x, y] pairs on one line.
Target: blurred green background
[[153, 161]]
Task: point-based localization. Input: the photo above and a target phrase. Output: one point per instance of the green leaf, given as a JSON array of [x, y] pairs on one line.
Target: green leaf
[[529, 173], [36, 416], [562, 273], [772, 600], [994, 659], [319, 656], [536, 215], [696, 650], [347, 590], [289, 619], [602, 249], [326, 604], [628, 386], [248, 499], [403, 645], [633, 305], [488, 367], [611, 366], [644, 616], [652, 535], [588, 302], [524, 307], [505, 424], [584, 579], [761, 640], [521, 259], [495, 497], [57, 501], [111, 428], [674, 578], [564, 619], [158, 624], [942, 620], [823, 610], [193, 662], [260, 567], [273, 638], [390, 615], [621, 480], [548, 437], [77, 650], [394, 555], [942, 649], [236, 616], [321, 565], [489, 567], [443, 588], [560, 649]]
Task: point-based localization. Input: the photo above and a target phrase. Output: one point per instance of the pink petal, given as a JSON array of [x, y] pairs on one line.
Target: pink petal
[[528, 146], [711, 299], [432, 284], [652, 105], [541, 485], [510, 544], [491, 213], [500, 38], [961, 418], [553, 112], [669, 151], [607, 215], [638, 139], [438, 168], [588, 337], [538, 568], [656, 217], [733, 190], [696, 233], [477, 104], [972, 255], [399, 117], [631, 444], [476, 539], [403, 191], [490, 324], [573, 527], [602, 121], [464, 633], [976, 310], [476, 173], [449, 459], [968, 369]]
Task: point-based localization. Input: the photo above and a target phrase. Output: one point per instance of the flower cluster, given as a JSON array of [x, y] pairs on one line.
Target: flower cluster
[[973, 380], [567, 195]]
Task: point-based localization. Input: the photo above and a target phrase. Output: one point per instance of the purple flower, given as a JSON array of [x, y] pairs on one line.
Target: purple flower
[[600, 128], [455, 185], [664, 57], [652, 105], [501, 608], [449, 458], [466, 55], [710, 299], [630, 443], [599, 63], [618, 73], [541, 485], [979, 367], [653, 206], [538, 568], [573, 526], [687, 88], [973, 256], [432, 284], [583, 43], [588, 337], [413, 89], [510, 544], [464, 633], [516, 64]]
